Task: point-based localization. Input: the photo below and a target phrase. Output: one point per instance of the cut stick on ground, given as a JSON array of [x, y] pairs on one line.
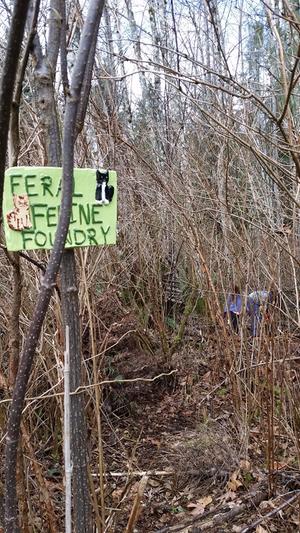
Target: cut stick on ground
[[137, 473], [137, 505]]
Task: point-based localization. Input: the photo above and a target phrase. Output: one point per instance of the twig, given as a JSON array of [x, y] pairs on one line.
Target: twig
[[148, 473], [264, 363], [213, 390], [30, 260], [85, 387], [133, 380], [25, 256], [112, 345]]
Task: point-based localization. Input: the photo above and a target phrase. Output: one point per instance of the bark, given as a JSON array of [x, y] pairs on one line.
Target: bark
[[225, 218], [55, 22], [71, 319], [70, 311], [86, 86], [45, 99], [125, 93], [215, 21], [14, 334], [176, 42], [63, 49], [135, 34], [70, 307], [158, 48], [14, 351], [9, 72], [15, 414]]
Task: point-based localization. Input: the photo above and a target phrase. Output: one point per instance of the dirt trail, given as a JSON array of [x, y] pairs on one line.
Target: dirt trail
[[186, 441]]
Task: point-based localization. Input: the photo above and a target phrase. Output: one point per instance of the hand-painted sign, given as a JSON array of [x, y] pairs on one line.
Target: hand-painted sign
[[31, 203]]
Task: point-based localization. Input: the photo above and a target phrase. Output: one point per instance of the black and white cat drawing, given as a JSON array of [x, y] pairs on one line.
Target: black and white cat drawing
[[104, 192]]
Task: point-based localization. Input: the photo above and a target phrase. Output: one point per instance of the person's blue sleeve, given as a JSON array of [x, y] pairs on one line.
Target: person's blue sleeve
[[239, 304], [227, 305]]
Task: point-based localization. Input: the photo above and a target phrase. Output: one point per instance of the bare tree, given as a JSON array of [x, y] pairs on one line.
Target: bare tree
[[13, 427]]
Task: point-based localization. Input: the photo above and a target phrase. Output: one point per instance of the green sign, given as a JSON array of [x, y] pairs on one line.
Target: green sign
[[31, 203]]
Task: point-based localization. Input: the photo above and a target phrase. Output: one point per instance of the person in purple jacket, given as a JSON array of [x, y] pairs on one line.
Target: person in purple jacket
[[233, 308]]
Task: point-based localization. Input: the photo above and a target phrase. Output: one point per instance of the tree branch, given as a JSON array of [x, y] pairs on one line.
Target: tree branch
[[86, 87], [9, 72], [291, 87], [55, 21], [63, 50]]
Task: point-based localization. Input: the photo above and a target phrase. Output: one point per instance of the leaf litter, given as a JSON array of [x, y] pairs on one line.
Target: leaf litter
[[183, 437]]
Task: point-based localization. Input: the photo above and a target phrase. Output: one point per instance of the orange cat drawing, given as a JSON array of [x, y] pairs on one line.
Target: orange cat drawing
[[19, 218]]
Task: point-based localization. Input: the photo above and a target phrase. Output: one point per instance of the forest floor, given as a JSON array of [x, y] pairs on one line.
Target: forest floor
[[178, 451], [177, 442]]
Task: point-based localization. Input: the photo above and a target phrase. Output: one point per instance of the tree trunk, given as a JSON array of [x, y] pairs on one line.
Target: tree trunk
[[15, 414], [70, 311]]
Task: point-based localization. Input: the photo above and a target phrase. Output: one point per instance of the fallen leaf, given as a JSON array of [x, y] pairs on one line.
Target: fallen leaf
[[117, 493], [198, 507], [229, 495], [245, 465], [265, 505], [260, 529], [234, 483], [207, 377]]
